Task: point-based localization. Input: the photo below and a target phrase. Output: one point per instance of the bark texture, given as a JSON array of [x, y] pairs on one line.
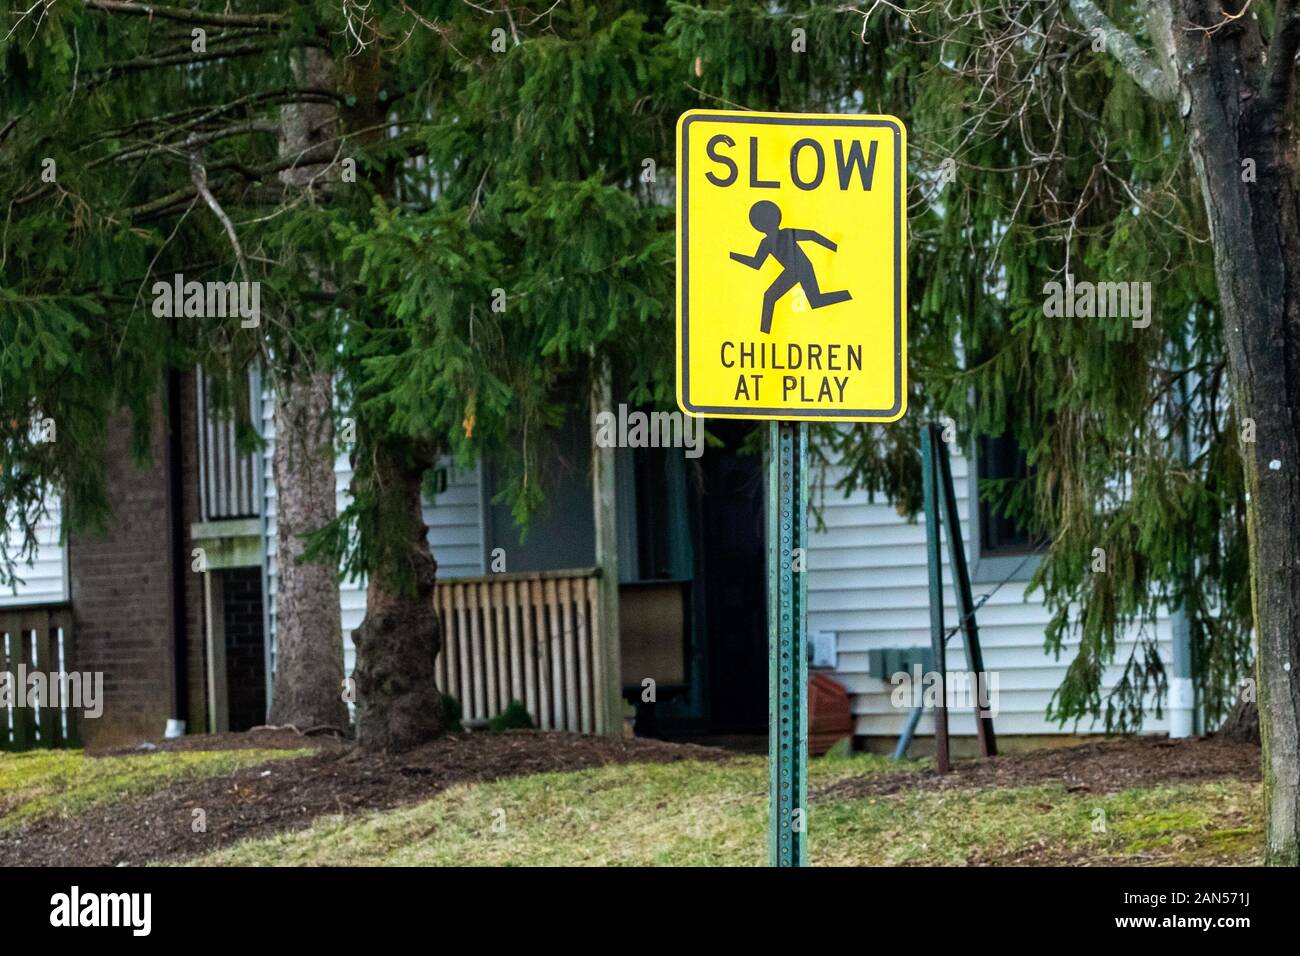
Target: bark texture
[[1237, 106], [399, 703], [307, 689]]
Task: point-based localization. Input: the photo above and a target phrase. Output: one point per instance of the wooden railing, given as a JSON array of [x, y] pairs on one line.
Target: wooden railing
[[535, 638], [36, 640]]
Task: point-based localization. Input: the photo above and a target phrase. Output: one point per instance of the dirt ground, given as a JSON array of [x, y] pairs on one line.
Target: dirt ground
[[1104, 767], [339, 779], [289, 795]]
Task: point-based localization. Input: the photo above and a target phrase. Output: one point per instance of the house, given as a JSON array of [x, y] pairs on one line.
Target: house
[[179, 638]]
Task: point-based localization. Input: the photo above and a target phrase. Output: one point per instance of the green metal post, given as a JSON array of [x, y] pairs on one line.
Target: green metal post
[[787, 634], [929, 485]]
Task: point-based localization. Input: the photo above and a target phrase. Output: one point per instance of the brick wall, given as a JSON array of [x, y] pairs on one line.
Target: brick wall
[[245, 653], [121, 588]]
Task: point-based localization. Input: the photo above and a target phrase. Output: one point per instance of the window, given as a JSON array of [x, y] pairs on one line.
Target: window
[[1005, 547]]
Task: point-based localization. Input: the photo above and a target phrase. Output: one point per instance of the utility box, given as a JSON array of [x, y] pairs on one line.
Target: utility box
[[822, 650], [885, 662]]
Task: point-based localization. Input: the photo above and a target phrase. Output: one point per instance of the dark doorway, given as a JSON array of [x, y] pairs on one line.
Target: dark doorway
[[732, 569], [245, 651]]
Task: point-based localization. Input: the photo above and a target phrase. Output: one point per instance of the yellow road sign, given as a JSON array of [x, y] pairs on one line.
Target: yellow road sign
[[791, 266]]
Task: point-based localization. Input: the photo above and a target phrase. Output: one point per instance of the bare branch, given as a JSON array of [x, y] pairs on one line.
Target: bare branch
[[199, 175], [1157, 81], [265, 21]]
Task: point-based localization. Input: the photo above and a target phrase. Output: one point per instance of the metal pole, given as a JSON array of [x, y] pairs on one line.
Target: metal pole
[[965, 603], [928, 483], [787, 660]]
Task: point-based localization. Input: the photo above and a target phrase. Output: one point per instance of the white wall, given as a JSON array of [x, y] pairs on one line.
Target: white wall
[[867, 581], [45, 577]]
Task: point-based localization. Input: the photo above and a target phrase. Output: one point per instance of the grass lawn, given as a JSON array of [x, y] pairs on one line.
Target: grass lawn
[[865, 810], [709, 814], [39, 784]]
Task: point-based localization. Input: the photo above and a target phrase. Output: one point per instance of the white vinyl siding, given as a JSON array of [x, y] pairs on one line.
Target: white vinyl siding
[[867, 582], [44, 580]]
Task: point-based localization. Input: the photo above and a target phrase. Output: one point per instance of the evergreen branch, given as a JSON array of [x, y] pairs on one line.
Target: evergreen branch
[[262, 21], [1137, 63], [194, 116]]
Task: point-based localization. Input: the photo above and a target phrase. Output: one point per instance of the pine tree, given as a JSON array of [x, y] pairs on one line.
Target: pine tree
[[493, 286], [1047, 146], [453, 213]]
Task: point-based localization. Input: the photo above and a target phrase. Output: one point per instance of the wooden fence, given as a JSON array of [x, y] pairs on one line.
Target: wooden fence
[[535, 638], [36, 640]]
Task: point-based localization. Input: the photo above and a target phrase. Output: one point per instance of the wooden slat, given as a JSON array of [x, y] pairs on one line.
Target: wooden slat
[[584, 657], [530, 653], [65, 659], [20, 651], [546, 690], [571, 691], [63, 620], [490, 664], [477, 663], [516, 646], [503, 644], [47, 662], [8, 667], [462, 652], [555, 643], [598, 666], [449, 648]]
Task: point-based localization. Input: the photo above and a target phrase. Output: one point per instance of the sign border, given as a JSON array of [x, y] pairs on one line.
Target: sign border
[[899, 408]]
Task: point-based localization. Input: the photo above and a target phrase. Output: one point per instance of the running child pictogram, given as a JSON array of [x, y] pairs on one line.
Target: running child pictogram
[[783, 245]]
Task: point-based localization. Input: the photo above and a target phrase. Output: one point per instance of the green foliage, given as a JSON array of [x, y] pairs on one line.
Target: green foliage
[[451, 713], [490, 178], [1061, 165], [514, 717]]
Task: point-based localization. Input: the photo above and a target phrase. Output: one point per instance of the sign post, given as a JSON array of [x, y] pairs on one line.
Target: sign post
[[809, 326], [787, 592]]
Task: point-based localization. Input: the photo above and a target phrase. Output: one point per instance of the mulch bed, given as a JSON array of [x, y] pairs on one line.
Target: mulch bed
[[289, 794], [1105, 767]]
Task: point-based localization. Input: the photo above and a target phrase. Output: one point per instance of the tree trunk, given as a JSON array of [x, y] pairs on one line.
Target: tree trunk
[[399, 704], [1242, 725], [307, 691], [1255, 231]]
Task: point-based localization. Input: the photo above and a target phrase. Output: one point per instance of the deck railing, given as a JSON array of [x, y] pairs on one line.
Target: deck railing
[[535, 638], [36, 640]]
